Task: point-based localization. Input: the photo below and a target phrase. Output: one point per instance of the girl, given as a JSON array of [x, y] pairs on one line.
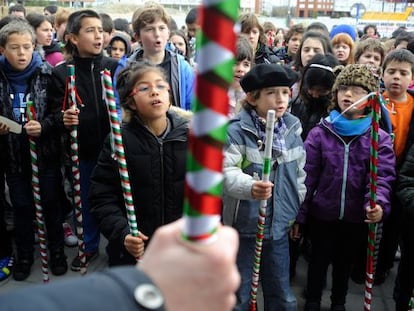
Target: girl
[[315, 91], [343, 48], [336, 206], [43, 28], [180, 41], [155, 141], [244, 62], [267, 87], [371, 52], [313, 42]]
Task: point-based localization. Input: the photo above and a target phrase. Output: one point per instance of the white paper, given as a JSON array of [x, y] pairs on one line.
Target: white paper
[[13, 125]]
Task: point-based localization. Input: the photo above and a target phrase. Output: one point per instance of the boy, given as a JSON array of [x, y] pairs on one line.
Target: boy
[[119, 46], [84, 48], [151, 30], [293, 39], [26, 78], [398, 71], [369, 51], [267, 86]]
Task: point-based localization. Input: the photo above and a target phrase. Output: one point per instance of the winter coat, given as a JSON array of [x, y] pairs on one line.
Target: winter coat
[[338, 175], [180, 76], [243, 159], [157, 172], [265, 55], [93, 116], [16, 146], [309, 113], [405, 187]]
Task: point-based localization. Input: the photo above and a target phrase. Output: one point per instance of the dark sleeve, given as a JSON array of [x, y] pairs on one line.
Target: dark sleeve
[[120, 289], [405, 183], [53, 122], [106, 198], [55, 95]]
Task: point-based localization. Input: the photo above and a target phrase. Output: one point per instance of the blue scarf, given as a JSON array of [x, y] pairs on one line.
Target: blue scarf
[[347, 127], [19, 82], [279, 144]]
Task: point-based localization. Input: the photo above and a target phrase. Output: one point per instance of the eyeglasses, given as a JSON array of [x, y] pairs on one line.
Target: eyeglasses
[[355, 90], [144, 88]]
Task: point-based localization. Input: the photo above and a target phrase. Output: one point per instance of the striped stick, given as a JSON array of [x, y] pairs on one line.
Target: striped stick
[[118, 150], [369, 279], [267, 165], [74, 150], [411, 304], [204, 179], [41, 228]]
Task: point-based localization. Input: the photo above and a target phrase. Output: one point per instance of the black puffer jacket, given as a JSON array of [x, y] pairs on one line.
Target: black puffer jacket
[[15, 147], [157, 173], [265, 55], [405, 186], [93, 117]]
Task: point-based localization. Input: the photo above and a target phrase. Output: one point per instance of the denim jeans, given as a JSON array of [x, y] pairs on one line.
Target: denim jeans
[[274, 274], [21, 196], [91, 233]]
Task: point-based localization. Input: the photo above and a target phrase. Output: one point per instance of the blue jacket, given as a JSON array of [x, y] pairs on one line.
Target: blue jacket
[[338, 175], [243, 159], [180, 76]]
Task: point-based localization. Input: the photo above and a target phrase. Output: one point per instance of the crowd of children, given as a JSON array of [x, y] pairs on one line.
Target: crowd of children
[[316, 80]]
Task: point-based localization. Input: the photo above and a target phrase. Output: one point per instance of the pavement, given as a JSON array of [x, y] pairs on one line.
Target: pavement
[[382, 295]]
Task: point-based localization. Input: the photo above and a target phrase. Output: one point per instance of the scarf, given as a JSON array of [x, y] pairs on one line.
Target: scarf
[[278, 144], [19, 82], [347, 127]]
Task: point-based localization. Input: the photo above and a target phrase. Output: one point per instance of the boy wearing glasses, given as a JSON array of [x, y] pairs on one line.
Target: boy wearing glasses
[[336, 207]]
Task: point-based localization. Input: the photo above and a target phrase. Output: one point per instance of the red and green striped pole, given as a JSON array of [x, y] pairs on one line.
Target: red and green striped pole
[[267, 165], [216, 44], [118, 150], [74, 151], [369, 279], [41, 228]]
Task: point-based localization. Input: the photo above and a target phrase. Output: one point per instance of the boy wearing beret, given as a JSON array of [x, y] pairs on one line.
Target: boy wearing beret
[[267, 86]]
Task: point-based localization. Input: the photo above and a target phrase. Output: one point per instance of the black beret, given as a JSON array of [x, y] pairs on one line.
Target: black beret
[[267, 75]]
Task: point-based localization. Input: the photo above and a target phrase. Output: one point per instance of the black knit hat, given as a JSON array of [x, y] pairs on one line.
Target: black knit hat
[[268, 75]]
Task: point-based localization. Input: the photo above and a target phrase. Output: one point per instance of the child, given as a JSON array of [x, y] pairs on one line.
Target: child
[[312, 43], [370, 51], [157, 173], [151, 30], [84, 45], [119, 46], [244, 62], [343, 48], [293, 38], [336, 206], [267, 87], [398, 71], [253, 30], [25, 77], [45, 44], [315, 91], [405, 277]]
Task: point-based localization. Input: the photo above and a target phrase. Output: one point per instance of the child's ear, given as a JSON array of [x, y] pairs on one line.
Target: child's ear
[[250, 99]]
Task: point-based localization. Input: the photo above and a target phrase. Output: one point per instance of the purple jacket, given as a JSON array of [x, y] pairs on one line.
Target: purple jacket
[[337, 175]]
